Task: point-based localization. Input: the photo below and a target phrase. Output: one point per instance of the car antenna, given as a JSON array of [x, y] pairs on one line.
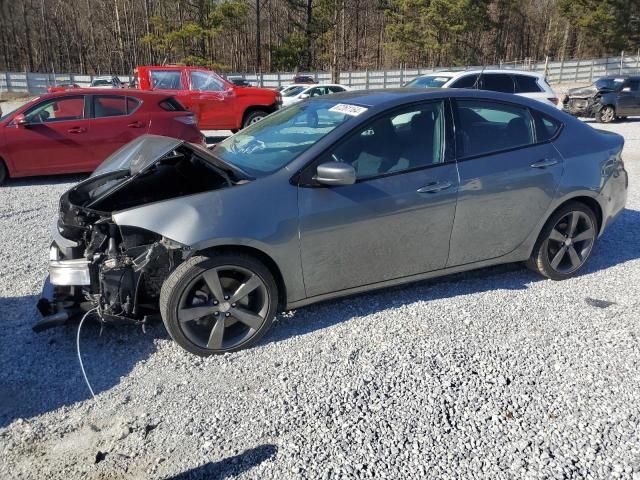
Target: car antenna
[[475, 84]]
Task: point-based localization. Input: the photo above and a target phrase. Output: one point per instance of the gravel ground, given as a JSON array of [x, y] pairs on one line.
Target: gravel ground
[[494, 374]]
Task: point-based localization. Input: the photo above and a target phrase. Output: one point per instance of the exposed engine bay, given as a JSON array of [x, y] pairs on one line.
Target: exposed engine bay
[[118, 271]]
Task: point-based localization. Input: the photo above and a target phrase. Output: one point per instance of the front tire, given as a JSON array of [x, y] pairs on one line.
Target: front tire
[[254, 117], [565, 243], [218, 304], [606, 114]]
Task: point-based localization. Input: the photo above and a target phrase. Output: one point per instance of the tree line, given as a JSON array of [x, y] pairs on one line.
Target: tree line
[[105, 36]]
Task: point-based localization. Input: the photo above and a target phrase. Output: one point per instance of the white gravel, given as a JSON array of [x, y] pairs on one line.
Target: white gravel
[[494, 374]]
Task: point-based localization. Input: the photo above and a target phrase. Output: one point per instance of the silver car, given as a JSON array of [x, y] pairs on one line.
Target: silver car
[[329, 197]]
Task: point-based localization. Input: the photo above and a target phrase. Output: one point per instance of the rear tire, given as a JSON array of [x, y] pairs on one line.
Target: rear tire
[[565, 242], [4, 173], [218, 304], [254, 117], [606, 114]]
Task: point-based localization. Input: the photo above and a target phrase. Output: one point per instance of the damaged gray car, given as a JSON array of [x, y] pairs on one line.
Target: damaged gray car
[[608, 99], [329, 197]]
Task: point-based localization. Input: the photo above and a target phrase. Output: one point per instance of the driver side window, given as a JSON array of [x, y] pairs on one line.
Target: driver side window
[[205, 82], [401, 141], [57, 110]]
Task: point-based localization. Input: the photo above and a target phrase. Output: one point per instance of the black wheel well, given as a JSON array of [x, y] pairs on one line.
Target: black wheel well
[[260, 255], [590, 202], [256, 108], [6, 169]]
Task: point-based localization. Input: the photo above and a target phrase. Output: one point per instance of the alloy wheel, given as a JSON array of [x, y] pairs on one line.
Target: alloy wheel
[[255, 120], [223, 307], [570, 242], [607, 114]]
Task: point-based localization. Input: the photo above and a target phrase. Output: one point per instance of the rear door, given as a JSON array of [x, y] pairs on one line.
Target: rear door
[[56, 140], [509, 175], [117, 119]]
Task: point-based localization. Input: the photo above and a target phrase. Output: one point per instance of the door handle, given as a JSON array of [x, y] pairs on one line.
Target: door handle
[[136, 125], [434, 187], [77, 130], [547, 162]]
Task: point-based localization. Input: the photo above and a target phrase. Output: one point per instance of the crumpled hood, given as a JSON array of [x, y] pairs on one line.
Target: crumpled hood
[[582, 91], [138, 154]]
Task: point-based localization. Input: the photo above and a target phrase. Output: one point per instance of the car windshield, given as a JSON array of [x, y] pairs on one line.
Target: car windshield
[[614, 84], [272, 143], [293, 91], [431, 81]]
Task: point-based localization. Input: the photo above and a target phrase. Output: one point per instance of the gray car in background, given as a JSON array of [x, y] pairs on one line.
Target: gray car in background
[[329, 197]]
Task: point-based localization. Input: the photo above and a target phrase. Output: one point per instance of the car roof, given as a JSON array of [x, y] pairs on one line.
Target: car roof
[[383, 99], [459, 73], [134, 92]]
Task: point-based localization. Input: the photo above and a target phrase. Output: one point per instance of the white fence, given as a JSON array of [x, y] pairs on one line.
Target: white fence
[[568, 71]]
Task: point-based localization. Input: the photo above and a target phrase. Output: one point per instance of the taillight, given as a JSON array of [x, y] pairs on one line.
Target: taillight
[[188, 119], [554, 100]]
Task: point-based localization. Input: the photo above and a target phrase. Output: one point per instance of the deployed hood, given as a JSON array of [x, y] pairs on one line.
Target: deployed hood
[[149, 169], [582, 91], [602, 85], [138, 154]]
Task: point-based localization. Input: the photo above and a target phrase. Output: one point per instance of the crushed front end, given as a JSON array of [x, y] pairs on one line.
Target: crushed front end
[[118, 271], [95, 265]]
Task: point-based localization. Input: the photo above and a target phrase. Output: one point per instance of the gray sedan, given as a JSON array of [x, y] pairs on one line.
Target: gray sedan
[[329, 197]]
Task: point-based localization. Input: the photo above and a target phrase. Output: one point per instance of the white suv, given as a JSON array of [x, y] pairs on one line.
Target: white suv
[[526, 84]]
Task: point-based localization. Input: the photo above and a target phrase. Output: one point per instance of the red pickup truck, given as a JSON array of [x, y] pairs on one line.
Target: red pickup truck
[[219, 104]]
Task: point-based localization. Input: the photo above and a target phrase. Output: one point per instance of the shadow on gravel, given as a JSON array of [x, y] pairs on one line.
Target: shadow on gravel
[[619, 244], [229, 467], [28, 359], [45, 180]]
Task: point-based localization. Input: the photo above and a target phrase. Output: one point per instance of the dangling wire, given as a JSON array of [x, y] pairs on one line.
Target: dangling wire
[[84, 374]]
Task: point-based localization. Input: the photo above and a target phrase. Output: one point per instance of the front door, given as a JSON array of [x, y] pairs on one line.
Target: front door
[[396, 220], [509, 175], [55, 140], [629, 98], [212, 100]]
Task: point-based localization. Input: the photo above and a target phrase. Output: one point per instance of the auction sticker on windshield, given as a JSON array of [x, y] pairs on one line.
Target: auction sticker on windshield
[[353, 110]]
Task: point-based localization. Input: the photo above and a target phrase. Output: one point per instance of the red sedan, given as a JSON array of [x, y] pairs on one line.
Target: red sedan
[[75, 130]]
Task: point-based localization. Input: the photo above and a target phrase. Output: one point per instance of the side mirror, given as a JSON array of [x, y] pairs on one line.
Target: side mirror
[[304, 96], [20, 120], [335, 173], [626, 89]]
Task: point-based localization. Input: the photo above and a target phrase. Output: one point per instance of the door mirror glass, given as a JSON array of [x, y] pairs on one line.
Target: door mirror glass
[[20, 120], [335, 173]]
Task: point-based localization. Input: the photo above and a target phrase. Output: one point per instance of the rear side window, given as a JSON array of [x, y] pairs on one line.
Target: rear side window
[[132, 105], [497, 82], [484, 127], [526, 84], [546, 126], [166, 79], [113, 105], [108, 106], [468, 81], [171, 105]]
